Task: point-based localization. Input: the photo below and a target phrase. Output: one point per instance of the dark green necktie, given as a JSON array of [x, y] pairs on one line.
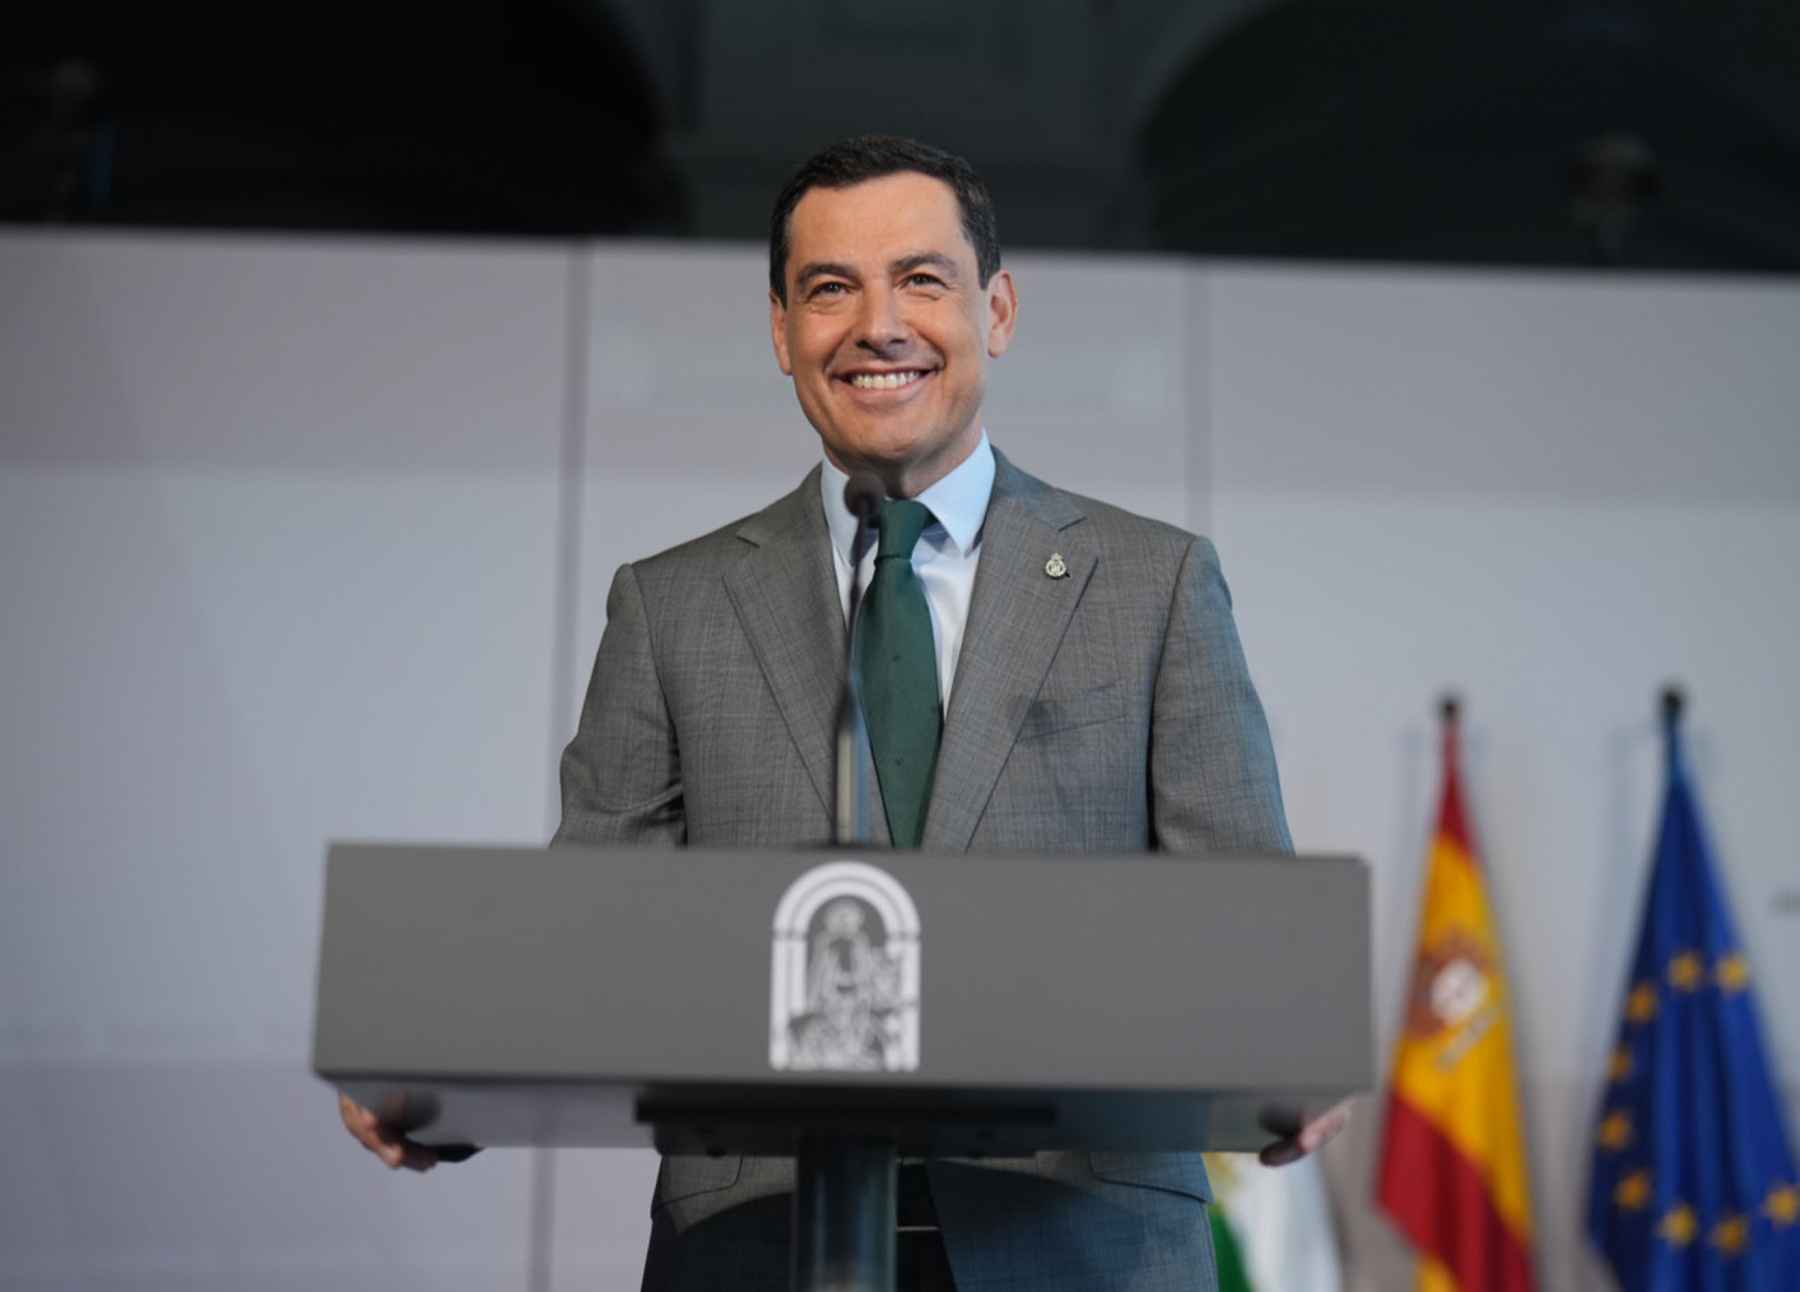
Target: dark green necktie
[[899, 673]]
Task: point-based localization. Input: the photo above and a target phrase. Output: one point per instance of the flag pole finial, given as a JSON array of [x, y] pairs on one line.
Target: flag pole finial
[[1450, 710], [1674, 700]]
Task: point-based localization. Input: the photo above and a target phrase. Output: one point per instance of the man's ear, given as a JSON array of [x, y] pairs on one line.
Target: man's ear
[[1003, 312], [778, 332]]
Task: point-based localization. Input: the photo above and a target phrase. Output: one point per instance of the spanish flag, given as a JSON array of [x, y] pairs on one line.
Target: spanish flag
[[1453, 1155]]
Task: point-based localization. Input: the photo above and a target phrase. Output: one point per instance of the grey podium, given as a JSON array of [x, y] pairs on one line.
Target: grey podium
[[842, 1006]]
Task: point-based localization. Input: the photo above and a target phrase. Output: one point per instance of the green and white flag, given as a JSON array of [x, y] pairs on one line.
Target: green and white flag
[[1272, 1226]]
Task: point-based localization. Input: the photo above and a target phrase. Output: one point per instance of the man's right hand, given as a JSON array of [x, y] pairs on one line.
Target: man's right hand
[[382, 1140]]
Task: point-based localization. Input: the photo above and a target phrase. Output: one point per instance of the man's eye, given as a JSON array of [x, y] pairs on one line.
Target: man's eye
[[828, 289], [927, 280]]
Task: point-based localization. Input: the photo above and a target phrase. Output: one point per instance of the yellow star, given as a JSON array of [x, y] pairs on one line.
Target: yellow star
[[1633, 1191], [1782, 1205], [1731, 1235], [1686, 971], [1619, 1067], [1678, 1225], [1615, 1130], [1733, 972], [1640, 1006]]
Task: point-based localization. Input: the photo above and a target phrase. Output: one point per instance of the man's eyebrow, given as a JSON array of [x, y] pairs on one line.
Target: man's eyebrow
[[822, 269], [920, 259]]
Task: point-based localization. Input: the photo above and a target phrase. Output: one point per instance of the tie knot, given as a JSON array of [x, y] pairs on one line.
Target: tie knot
[[902, 520]]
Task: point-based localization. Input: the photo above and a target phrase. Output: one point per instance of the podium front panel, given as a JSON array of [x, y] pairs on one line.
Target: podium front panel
[[721, 1001]]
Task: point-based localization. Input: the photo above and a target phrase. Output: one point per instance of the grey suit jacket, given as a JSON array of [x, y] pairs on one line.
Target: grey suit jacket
[[1107, 711]]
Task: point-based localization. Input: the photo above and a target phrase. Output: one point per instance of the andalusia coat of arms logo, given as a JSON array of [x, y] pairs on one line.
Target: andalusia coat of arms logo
[[844, 977]]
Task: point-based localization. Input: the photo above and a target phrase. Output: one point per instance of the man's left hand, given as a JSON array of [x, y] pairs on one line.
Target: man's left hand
[[1309, 1138]]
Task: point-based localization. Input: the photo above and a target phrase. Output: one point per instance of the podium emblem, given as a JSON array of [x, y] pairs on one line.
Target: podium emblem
[[844, 979]]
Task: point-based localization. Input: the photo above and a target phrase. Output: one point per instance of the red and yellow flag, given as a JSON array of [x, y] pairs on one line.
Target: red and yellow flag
[[1453, 1152]]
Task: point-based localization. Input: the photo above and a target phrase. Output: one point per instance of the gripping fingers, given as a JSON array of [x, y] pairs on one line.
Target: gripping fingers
[[385, 1143], [1299, 1139]]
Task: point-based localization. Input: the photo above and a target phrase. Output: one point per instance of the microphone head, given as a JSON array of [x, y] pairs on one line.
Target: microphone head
[[863, 495]]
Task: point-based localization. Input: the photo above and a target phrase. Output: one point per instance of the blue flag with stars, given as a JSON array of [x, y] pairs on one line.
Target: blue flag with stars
[[1693, 1185]]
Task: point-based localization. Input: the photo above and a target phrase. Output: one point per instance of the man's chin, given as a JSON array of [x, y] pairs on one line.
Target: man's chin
[[894, 448], [883, 447]]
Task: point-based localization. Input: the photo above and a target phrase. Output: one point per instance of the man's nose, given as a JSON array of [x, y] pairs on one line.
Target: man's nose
[[881, 327]]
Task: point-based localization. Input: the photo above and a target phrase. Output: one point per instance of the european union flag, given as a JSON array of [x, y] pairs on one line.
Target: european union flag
[[1693, 1185]]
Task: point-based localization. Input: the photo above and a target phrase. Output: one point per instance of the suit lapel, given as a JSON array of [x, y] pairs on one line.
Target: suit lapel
[[784, 590], [1017, 615]]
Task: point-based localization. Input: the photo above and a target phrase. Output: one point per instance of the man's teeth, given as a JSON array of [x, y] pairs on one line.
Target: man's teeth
[[884, 380]]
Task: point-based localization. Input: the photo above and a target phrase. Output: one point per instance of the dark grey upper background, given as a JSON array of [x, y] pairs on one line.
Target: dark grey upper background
[[1659, 134]]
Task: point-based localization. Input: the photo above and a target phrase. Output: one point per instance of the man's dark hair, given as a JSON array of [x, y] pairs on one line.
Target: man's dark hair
[[851, 161]]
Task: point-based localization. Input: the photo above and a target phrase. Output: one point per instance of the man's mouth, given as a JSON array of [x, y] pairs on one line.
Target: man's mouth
[[887, 380]]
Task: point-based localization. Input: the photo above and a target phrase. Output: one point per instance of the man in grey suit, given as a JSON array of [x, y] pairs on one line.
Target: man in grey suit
[[1086, 692]]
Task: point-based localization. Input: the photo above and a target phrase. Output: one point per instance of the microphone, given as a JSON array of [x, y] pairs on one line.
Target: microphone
[[863, 496]]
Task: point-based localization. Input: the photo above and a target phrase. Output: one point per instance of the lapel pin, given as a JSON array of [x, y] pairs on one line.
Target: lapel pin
[[1056, 567]]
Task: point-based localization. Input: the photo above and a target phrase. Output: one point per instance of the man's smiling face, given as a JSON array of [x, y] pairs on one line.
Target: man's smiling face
[[886, 330]]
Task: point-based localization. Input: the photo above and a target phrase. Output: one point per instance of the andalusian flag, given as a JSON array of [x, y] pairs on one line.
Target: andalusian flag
[[1694, 1186], [1453, 1154], [1272, 1229]]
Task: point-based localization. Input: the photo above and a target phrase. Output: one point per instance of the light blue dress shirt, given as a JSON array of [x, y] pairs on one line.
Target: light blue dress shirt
[[945, 559]]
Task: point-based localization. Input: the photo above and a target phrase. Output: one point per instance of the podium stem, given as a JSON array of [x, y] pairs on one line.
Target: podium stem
[[844, 1214]]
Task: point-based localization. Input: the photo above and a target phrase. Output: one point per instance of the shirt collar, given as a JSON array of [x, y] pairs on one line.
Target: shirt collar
[[959, 501]]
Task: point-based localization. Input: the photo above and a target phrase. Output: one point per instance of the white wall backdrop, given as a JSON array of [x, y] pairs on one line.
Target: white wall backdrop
[[1553, 496], [281, 536], [311, 540]]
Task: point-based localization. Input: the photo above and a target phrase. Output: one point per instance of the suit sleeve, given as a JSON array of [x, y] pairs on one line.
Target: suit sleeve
[[621, 774], [1213, 782]]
